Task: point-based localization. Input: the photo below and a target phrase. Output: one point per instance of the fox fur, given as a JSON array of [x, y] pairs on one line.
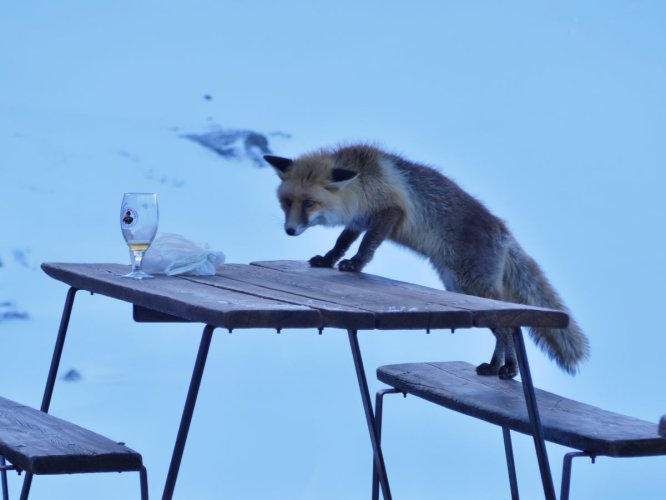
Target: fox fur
[[368, 190]]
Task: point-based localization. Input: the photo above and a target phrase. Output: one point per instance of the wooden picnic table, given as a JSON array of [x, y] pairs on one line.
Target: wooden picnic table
[[288, 294]]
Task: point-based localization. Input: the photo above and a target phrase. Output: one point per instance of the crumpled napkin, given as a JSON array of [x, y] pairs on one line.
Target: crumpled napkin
[[172, 254]]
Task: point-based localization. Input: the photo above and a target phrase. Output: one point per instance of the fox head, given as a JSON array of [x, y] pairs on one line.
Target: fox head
[[313, 192]]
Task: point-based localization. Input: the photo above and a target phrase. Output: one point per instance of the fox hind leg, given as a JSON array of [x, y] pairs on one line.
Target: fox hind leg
[[510, 368], [493, 367], [503, 363], [483, 277]]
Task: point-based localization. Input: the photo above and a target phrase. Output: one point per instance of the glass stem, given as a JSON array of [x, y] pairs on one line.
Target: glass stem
[[136, 256]]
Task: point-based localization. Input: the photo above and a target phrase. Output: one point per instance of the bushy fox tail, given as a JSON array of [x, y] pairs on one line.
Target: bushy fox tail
[[525, 283]]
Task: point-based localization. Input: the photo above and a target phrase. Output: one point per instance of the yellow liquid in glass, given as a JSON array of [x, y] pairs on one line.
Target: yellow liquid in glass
[[138, 247]]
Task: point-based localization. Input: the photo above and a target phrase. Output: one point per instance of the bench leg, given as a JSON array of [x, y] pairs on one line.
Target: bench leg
[[533, 412], [369, 416], [53, 372], [379, 411], [188, 411], [511, 465], [5, 487], [143, 478], [566, 471]]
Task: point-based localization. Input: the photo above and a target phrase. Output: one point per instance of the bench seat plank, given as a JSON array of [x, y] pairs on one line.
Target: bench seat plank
[[456, 385], [40, 443]]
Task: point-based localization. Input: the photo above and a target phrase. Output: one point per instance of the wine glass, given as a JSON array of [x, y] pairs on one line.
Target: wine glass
[[138, 221]]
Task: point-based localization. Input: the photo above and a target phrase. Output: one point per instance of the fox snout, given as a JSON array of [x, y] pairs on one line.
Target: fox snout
[[295, 224], [299, 215], [294, 231]]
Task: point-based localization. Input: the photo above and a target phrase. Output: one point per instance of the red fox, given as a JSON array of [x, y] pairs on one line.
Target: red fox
[[369, 190]]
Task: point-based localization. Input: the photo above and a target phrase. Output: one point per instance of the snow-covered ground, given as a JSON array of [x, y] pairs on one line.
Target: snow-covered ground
[[552, 114]]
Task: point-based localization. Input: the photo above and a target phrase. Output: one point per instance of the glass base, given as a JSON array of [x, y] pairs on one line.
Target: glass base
[[138, 275]]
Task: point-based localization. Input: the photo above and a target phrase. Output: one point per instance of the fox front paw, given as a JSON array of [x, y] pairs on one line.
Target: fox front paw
[[350, 266], [319, 261]]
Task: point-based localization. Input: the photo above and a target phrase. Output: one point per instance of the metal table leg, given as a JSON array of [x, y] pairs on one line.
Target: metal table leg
[[379, 410], [188, 411], [369, 415], [57, 351], [53, 371], [533, 412]]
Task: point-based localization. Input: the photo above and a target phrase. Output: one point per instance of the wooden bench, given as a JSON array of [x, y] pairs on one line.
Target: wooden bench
[[593, 431], [38, 443]]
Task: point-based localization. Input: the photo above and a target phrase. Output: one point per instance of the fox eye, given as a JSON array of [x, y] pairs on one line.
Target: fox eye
[[286, 202], [307, 204]]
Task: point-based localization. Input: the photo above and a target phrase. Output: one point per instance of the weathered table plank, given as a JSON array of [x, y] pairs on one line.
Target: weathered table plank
[[184, 299], [394, 310], [334, 315], [485, 312], [456, 385], [40, 443]]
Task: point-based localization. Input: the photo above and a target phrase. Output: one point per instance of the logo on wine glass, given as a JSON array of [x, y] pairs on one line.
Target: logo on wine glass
[[129, 217], [138, 231]]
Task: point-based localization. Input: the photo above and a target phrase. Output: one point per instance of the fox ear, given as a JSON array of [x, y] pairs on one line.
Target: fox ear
[[340, 177], [280, 164]]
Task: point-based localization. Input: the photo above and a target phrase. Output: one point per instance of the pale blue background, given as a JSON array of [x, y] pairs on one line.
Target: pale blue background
[[552, 113]]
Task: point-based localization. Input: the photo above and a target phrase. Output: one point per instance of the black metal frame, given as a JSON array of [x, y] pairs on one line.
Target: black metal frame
[[535, 423], [566, 471], [190, 402], [3, 474], [373, 420], [373, 429], [566, 467], [537, 433], [533, 412], [379, 410], [510, 463], [48, 394], [188, 411]]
